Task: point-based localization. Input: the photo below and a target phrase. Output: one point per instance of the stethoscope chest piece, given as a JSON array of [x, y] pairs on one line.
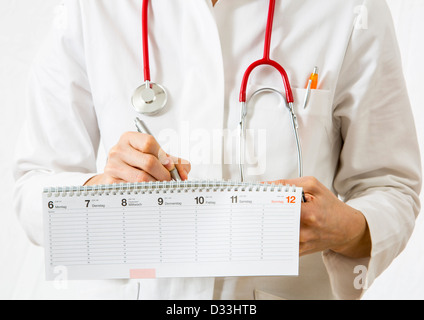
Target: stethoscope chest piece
[[149, 99]]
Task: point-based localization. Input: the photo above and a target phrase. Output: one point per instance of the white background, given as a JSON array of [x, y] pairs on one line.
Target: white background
[[23, 26]]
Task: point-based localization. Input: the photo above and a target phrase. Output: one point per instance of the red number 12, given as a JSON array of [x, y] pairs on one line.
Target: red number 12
[[291, 199]]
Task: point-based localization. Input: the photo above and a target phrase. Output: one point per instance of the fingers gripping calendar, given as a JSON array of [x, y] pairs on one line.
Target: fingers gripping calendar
[[172, 229]]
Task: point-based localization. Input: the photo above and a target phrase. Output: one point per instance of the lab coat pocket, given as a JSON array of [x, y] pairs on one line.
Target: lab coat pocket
[[315, 129], [271, 150], [319, 106]]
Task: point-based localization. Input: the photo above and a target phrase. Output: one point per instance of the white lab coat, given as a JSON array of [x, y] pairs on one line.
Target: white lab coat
[[357, 133]]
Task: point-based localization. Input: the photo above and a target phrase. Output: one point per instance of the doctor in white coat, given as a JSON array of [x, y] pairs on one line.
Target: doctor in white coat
[[361, 157]]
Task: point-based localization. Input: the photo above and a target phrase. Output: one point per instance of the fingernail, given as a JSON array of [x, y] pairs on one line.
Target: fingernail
[[169, 164], [184, 174], [166, 161]]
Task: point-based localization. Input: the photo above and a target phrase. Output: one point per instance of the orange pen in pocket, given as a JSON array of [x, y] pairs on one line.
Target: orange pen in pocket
[[312, 85]]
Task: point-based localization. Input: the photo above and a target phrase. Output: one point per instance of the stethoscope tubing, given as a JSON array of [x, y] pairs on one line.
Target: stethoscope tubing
[[145, 39], [266, 60], [242, 128]]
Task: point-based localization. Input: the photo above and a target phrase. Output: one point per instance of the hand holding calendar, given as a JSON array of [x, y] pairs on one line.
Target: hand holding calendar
[[162, 229], [328, 223]]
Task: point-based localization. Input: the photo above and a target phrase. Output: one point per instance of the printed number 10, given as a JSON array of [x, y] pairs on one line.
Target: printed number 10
[[199, 200]]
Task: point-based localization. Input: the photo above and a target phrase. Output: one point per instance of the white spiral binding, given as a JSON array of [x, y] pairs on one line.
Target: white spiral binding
[[164, 187]]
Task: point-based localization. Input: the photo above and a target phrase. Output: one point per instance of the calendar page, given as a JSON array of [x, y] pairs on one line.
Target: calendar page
[[163, 230]]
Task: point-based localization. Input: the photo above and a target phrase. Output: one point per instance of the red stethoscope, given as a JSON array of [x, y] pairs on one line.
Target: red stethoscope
[[150, 98]]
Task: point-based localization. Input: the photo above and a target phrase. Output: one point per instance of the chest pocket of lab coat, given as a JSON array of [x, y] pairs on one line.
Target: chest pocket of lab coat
[[270, 136], [315, 130]]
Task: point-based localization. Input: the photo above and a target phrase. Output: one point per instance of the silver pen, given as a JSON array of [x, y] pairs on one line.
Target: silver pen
[[141, 127]]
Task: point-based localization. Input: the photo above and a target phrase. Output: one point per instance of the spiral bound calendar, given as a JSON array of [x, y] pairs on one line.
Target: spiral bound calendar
[[172, 229]]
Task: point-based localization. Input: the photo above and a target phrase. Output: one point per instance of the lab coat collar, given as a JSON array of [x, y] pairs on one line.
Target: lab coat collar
[[210, 4]]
